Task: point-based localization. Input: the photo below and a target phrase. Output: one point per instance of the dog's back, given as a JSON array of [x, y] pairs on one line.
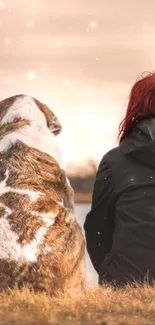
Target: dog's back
[[41, 244]]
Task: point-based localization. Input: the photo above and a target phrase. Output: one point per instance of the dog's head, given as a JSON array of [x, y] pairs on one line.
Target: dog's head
[[29, 109], [24, 118]]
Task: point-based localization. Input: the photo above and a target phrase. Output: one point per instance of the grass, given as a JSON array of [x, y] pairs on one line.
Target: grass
[[102, 306]]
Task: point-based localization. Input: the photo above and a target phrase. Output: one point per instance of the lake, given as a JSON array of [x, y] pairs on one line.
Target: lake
[[81, 211]]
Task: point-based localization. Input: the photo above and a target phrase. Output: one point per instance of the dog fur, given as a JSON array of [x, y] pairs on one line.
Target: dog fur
[[41, 243]]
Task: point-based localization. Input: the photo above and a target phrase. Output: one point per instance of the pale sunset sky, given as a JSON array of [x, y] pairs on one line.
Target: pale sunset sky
[[80, 58]]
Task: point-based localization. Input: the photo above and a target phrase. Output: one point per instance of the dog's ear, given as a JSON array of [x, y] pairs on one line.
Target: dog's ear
[[52, 121], [54, 124]]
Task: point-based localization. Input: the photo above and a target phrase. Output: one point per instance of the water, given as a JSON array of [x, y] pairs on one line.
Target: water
[[81, 211]]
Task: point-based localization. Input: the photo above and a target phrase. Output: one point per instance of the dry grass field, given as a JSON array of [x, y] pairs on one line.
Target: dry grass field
[[102, 306]]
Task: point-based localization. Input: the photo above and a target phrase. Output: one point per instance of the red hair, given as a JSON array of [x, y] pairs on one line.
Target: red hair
[[141, 104]]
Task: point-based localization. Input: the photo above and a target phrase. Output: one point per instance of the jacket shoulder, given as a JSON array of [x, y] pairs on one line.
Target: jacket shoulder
[[112, 156]]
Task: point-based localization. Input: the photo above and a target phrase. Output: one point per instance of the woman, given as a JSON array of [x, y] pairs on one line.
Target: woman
[[120, 228]]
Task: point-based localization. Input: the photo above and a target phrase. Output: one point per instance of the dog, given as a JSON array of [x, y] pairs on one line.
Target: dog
[[41, 243]]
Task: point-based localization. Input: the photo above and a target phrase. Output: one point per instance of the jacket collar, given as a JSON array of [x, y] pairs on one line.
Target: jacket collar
[[141, 136]]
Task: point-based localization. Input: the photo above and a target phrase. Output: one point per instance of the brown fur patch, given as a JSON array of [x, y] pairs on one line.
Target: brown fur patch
[[11, 127], [5, 105]]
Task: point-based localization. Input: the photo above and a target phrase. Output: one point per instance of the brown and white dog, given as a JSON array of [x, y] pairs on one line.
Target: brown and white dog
[[41, 244]]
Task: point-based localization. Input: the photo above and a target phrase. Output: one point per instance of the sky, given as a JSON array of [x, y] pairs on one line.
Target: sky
[[81, 58]]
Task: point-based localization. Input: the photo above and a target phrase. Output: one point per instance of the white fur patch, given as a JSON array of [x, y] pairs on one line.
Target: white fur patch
[[48, 217], [31, 251], [70, 217], [32, 195], [9, 245], [3, 187], [47, 250], [36, 135]]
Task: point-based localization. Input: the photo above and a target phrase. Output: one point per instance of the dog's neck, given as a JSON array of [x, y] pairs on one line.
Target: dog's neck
[[36, 134]]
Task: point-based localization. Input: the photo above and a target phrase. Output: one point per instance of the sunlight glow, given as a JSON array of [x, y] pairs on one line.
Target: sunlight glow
[[31, 75]]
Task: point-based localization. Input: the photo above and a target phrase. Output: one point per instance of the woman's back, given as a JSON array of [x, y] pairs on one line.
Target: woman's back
[[133, 171]]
